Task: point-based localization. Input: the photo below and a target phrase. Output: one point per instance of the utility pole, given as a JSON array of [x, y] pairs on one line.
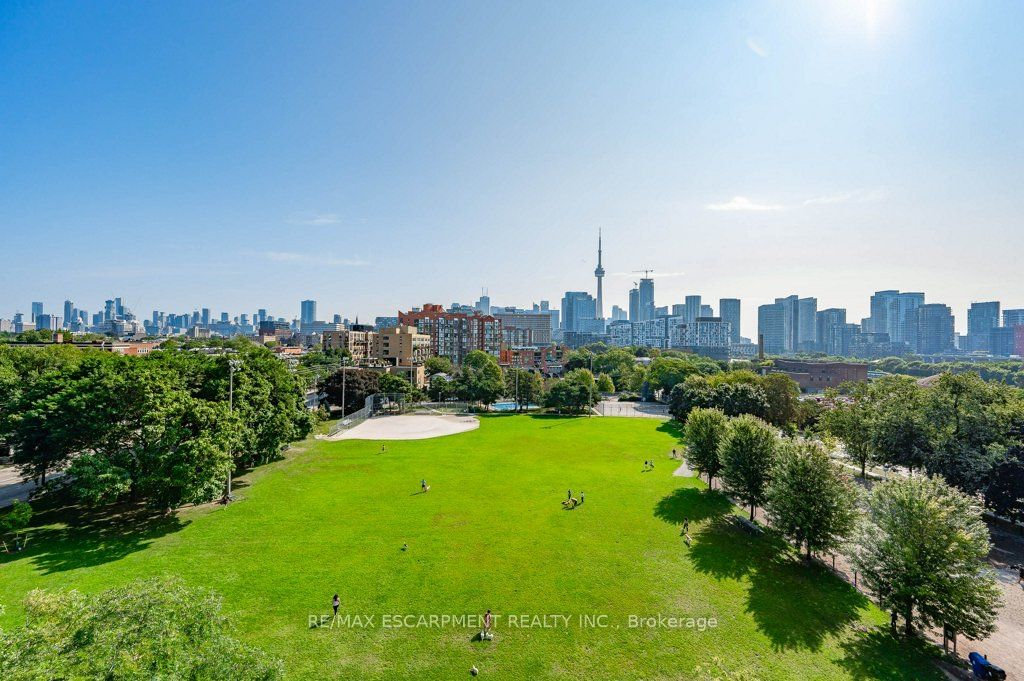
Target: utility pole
[[518, 406], [233, 364], [344, 375]]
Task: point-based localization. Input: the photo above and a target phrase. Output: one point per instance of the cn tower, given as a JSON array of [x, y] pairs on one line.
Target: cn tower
[[599, 273]]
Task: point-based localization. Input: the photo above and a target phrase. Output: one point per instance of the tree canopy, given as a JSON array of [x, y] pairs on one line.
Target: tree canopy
[[748, 451], [704, 431], [922, 552], [149, 629], [810, 499]]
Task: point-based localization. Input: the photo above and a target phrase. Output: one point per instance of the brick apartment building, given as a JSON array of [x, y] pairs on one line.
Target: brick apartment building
[[455, 334], [549, 361]]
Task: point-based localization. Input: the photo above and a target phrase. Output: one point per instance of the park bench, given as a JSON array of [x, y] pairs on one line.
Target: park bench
[[748, 525]]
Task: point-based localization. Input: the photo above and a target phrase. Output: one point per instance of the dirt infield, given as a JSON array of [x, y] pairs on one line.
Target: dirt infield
[[409, 427]]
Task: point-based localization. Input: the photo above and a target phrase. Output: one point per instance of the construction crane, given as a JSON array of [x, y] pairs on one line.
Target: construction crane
[[646, 273]]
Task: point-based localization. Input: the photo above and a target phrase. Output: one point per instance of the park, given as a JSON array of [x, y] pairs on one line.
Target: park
[[602, 589]]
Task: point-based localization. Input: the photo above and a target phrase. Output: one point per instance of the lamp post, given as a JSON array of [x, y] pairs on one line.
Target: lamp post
[[233, 364], [344, 376]]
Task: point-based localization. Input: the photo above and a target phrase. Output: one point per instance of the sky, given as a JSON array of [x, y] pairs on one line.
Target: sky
[[377, 156]]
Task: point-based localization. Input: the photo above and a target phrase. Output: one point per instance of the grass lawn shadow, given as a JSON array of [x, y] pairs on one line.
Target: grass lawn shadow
[[63, 537], [672, 427], [795, 604], [693, 503], [876, 654]]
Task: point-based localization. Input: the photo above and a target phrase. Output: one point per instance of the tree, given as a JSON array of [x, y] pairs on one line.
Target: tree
[[438, 365], [268, 399], [1005, 492], [391, 383], [523, 386], [693, 393], [741, 398], [576, 393], [440, 388], [922, 551], [747, 451], [665, 373], [481, 379], [810, 499], [850, 420], [16, 520], [618, 363], [579, 359], [704, 432], [782, 395], [153, 442], [352, 385], [969, 421], [157, 628], [605, 384], [900, 432]]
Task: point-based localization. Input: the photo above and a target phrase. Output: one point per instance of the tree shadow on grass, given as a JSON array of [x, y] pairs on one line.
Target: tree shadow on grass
[[65, 536], [672, 427], [795, 604], [876, 654], [692, 503]]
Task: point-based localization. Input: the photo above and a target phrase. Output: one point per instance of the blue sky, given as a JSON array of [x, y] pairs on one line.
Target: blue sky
[[382, 155]]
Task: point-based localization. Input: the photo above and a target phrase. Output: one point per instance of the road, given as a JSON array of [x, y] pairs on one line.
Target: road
[[11, 486]]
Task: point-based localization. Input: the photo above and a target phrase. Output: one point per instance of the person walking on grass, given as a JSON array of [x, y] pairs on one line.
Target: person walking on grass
[[423, 485], [568, 496], [583, 497], [335, 602]]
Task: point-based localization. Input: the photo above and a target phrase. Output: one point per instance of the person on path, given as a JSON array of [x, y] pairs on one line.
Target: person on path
[[335, 602]]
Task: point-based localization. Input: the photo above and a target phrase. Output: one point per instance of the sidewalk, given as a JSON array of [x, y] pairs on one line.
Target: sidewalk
[[11, 486]]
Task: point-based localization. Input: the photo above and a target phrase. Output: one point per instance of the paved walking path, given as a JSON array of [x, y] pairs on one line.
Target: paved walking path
[[11, 486]]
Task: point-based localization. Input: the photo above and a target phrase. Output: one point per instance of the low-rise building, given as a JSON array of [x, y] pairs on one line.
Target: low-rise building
[[358, 341], [817, 376], [401, 345]]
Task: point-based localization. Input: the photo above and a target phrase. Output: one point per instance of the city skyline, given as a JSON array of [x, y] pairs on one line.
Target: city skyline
[[147, 157]]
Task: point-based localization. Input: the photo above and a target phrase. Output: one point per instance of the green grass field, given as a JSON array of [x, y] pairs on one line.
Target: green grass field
[[491, 533]]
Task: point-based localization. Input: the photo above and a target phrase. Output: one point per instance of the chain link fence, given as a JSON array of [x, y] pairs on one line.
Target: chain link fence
[[650, 410]]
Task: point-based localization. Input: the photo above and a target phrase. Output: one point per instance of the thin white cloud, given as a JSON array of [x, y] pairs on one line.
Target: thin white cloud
[[308, 259], [317, 220], [742, 203], [757, 48], [858, 196]]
